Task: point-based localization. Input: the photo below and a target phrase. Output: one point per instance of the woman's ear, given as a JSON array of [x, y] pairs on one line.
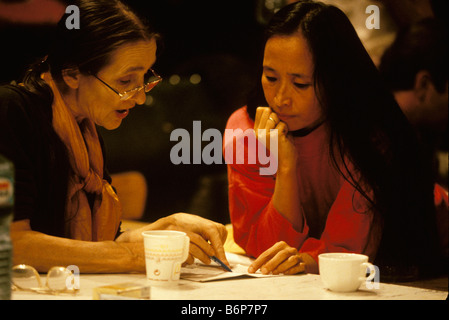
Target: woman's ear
[[423, 81], [71, 77]]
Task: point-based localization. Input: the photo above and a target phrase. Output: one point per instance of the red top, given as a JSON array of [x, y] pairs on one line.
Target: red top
[[337, 218]]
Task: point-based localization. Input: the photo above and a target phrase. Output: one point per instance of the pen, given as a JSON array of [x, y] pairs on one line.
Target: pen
[[221, 263]]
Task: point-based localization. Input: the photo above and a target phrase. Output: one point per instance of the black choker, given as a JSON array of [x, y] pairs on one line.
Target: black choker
[[304, 132]]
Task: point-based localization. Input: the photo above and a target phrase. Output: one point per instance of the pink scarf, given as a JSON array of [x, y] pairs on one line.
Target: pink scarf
[[86, 158]]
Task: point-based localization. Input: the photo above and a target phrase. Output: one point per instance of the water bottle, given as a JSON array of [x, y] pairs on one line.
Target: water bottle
[[6, 215]]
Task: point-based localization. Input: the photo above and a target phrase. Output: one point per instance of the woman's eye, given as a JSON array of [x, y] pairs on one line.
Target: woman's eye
[[128, 80], [301, 85], [270, 79], [124, 82]]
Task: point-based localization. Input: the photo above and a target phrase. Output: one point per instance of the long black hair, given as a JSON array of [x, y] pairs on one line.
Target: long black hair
[[368, 128], [104, 26]]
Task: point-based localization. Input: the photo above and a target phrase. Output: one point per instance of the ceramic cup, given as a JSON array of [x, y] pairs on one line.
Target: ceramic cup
[[344, 272], [165, 251]]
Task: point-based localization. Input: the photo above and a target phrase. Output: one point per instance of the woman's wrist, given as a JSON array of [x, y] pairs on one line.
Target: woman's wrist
[[136, 234], [134, 258], [311, 266]]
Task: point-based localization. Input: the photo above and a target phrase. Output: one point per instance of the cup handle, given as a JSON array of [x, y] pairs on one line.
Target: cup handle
[[372, 271], [186, 248]]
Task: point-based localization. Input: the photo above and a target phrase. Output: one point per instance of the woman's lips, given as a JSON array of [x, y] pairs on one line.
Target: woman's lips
[[285, 117], [122, 113]]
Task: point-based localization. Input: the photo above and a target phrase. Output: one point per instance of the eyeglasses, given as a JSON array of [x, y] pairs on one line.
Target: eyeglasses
[[150, 81], [59, 280]]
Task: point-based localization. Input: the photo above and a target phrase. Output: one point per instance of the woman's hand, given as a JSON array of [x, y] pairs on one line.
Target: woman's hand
[[265, 120], [280, 258], [285, 198], [206, 237]]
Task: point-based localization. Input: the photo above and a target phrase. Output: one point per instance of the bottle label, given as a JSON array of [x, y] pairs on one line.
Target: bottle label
[[6, 192]]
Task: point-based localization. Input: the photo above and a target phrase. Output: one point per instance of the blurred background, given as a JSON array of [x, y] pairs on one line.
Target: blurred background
[[211, 53]]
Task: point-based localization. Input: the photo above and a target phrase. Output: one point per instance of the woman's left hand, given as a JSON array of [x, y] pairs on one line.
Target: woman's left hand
[[280, 258], [265, 121]]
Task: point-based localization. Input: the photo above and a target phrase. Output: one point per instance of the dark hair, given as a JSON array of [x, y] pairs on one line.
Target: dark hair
[[105, 25], [368, 128], [421, 46]]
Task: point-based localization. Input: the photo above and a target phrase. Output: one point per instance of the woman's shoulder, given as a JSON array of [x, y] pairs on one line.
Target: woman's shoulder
[[12, 95], [18, 102], [14, 91], [12, 102], [10, 92], [240, 119], [239, 127]]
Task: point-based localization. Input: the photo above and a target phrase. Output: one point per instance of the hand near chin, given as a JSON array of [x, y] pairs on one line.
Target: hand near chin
[[265, 121]]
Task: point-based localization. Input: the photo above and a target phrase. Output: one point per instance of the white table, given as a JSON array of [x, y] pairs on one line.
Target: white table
[[296, 287]]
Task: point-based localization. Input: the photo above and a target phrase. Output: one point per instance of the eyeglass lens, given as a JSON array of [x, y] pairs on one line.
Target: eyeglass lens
[[150, 76], [26, 277], [151, 85], [57, 278], [151, 80]]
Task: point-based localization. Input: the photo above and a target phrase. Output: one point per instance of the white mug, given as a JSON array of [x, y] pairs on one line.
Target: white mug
[[344, 272], [165, 251]]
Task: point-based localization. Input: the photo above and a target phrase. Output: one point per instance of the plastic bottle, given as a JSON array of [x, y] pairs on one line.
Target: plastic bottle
[[6, 215]]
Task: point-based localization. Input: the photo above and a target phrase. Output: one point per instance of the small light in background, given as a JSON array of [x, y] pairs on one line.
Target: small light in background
[[195, 78], [174, 79], [149, 101], [167, 127]]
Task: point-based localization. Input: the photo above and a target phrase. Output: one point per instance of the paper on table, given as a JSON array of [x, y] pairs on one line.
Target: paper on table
[[202, 273]]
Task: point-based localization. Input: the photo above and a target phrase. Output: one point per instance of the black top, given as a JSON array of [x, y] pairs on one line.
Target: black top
[[40, 158]]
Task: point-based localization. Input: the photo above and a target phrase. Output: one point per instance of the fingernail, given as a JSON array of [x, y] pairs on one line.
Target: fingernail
[[251, 270], [264, 271]]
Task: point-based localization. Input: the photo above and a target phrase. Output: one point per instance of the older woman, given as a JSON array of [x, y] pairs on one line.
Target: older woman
[[66, 209]]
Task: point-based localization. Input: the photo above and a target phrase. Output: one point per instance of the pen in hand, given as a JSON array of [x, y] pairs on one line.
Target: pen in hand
[[214, 258]]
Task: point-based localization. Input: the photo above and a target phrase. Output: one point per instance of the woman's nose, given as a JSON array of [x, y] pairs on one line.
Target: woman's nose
[[282, 97], [140, 97]]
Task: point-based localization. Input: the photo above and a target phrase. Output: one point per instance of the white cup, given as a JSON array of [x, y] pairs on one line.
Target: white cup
[[165, 251], [344, 272]]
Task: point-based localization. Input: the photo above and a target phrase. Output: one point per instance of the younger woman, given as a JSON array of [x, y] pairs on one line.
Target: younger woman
[[350, 176]]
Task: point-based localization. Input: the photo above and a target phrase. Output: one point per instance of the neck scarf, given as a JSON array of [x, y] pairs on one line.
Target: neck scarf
[[83, 222]]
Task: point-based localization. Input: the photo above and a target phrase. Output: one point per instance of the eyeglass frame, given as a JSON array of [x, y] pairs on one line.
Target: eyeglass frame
[[42, 289], [130, 93]]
